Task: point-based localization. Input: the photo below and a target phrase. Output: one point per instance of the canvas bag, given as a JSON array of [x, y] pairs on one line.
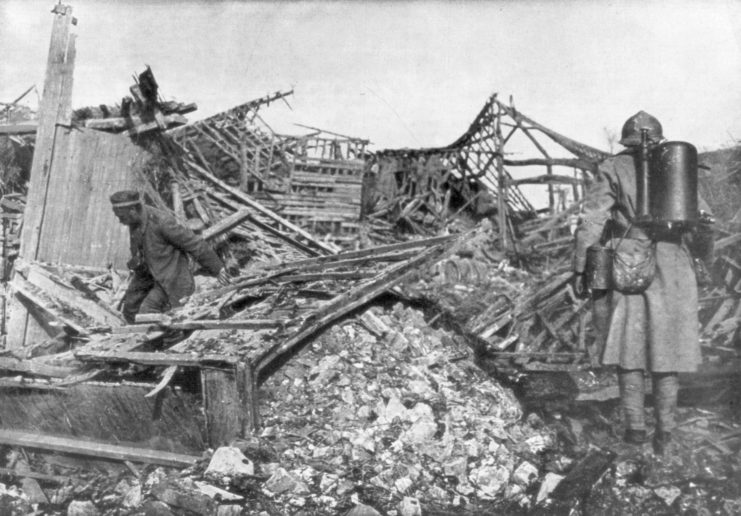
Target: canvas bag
[[633, 264]]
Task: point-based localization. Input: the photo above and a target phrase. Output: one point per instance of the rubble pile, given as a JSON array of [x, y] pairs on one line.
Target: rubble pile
[[397, 422], [407, 415]]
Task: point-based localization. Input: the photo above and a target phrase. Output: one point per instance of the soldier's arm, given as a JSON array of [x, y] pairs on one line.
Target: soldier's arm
[[599, 200], [184, 239]]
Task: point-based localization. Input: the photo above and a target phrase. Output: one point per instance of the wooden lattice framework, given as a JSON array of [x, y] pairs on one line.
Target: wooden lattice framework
[[313, 181], [478, 165]]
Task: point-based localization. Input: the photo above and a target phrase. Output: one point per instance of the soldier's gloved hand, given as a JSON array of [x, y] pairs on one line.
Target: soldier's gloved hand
[[579, 284], [224, 277]]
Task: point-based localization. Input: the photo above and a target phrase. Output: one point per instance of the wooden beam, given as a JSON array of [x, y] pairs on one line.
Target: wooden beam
[[157, 359], [33, 367], [248, 391], [59, 479], [203, 324], [20, 128], [226, 224], [304, 248], [168, 120], [373, 251], [54, 101], [94, 449]]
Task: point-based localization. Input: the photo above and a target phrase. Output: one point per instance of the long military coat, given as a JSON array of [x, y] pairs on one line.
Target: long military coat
[[163, 245], [656, 330]]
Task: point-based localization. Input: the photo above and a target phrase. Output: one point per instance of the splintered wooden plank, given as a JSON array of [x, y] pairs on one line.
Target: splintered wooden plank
[[156, 359], [58, 289], [94, 449], [373, 251], [201, 324], [24, 289]]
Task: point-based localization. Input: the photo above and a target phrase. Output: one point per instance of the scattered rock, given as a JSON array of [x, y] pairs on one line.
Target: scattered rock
[[550, 481], [229, 462], [282, 481], [132, 497], [410, 507], [157, 508], [490, 480], [668, 494], [217, 493], [82, 508], [525, 474], [229, 510], [362, 510]]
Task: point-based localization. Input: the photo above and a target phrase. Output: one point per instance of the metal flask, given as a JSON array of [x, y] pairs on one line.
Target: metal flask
[[599, 267], [672, 185]]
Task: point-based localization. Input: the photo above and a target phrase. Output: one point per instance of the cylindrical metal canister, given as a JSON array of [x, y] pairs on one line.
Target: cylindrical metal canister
[[599, 267], [673, 184]]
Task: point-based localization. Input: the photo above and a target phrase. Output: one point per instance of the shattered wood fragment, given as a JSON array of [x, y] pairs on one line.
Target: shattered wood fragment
[[582, 478], [94, 449], [167, 375]]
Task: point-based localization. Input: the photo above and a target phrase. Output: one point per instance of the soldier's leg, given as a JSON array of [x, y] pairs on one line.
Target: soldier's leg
[[136, 292], [632, 388], [155, 302], [665, 390]]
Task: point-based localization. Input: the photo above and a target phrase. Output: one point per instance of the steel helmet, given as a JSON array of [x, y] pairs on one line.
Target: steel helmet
[[632, 129]]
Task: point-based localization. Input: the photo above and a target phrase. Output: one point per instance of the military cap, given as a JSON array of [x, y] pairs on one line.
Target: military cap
[[125, 198]]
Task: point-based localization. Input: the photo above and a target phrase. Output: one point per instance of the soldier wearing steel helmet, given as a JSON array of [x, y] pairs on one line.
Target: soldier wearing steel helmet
[[654, 331]]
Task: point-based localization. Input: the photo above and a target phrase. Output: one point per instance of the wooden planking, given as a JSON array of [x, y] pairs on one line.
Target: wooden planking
[[78, 225], [109, 411], [221, 405], [97, 165]]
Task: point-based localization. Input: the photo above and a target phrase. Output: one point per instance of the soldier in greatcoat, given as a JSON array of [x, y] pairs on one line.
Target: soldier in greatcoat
[[160, 245], [655, 331]]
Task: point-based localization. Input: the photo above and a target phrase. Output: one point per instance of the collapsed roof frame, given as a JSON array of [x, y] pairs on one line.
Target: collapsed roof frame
[[479, 156]]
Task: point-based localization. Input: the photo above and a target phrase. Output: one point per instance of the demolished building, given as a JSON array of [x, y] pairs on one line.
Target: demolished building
[[320, 226]]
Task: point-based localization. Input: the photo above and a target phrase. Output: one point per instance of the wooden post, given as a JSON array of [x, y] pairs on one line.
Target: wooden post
[[551, 197], [247, 384], [55, 108], [222, 405], [501, 182], [177, 201]]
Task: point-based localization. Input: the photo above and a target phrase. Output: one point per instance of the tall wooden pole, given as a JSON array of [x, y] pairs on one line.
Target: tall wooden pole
[[501, 180]]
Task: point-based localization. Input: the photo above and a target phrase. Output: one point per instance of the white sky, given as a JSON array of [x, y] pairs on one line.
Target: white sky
[[406, 74]]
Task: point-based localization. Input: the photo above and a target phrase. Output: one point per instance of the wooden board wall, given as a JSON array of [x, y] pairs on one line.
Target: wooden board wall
[[68, 218], [77, 225], [118, 413]]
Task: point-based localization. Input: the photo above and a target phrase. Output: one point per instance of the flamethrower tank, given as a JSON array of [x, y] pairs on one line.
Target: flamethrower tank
[[673, 186]]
